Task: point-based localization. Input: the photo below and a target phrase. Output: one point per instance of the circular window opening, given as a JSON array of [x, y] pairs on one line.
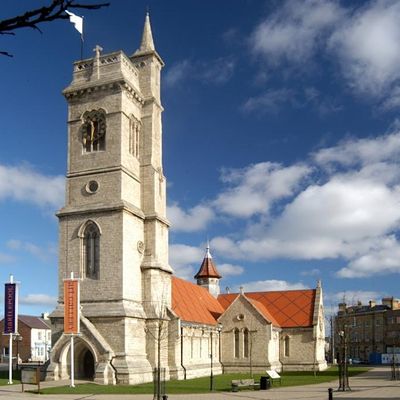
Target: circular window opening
[[92, 187], [240, 317]]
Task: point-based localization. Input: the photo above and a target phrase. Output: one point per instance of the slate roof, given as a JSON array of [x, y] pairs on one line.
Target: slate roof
[[193, 303], [33, 322]]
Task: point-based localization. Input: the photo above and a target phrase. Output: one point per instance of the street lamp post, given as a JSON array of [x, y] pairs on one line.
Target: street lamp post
[[211, 363], [343, 364], [17, 338]]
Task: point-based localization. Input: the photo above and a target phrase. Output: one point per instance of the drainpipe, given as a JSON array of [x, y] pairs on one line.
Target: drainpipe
[[183, 367], [220, 348]]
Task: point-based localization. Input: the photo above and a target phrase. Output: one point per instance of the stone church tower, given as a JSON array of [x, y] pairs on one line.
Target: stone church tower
[[113, 229]]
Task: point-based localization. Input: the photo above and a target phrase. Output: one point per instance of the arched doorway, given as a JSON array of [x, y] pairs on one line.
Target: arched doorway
[[88, 365]]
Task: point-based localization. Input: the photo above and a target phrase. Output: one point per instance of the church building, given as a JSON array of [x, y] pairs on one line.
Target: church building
[[113, 234]]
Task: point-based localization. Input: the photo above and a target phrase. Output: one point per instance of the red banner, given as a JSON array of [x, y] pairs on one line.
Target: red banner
[[71, 306]]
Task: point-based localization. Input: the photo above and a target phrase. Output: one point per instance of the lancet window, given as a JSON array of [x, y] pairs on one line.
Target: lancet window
[[286, 346], [134, 136], [91, 251], [236, 342], [246, 342]]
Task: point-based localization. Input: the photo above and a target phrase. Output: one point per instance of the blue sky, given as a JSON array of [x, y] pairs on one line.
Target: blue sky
[[281, 141]]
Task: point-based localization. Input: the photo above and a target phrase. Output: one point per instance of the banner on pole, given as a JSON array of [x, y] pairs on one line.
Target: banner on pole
[[11, 309], [71, 306]]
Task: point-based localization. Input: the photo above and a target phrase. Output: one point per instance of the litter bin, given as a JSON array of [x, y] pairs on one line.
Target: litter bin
[[265, 383]]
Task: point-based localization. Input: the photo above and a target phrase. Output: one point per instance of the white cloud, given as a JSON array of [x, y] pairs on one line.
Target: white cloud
[[185, 260], [43, 253], [381, 259], [368, 46], [217, 71], [195, 219], [362, 39], [39, 299], [342, 210], [351, 297], [294, 31], [24, 184], [270, 101], [6, 258], [347, 209], [364, 151], [311, 272], [271, 285], [254, 189], [177, 72], [226, 270]]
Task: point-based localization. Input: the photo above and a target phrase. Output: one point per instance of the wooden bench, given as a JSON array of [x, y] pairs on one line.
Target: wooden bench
[[274, 376], [238, 383]]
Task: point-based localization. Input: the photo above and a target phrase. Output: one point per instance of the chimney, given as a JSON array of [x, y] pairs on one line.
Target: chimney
[[372, 303], [342, 307], [396, 304], [388, 301]]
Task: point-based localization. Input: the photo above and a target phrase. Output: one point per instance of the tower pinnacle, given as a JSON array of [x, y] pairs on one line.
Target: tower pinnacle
[[147, 43]]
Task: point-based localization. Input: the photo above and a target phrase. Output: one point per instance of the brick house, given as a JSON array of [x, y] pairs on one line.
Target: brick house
[[369, 328], [33, 342]]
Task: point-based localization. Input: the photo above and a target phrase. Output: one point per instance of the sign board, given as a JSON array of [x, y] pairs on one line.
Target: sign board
[[273, 374], [11, 309], [388, 358], [30, 376], [71, 306]]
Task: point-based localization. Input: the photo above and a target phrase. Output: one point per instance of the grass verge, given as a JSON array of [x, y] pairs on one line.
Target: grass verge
[[222, 383]]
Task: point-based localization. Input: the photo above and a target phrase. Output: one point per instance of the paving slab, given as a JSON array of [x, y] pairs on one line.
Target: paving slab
[[374, 384]]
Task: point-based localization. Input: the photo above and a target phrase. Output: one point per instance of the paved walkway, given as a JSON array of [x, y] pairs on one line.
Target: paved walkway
[[375, 384]]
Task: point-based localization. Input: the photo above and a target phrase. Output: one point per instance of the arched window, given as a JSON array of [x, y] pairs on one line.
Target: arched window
[[246, 342], [236, 344], [94, 130], [91, 251], [286, 346]]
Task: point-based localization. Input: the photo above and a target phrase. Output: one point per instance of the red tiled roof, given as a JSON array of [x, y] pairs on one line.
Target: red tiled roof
[[194, 303], [207, 269], [262, 309], [289, 308]]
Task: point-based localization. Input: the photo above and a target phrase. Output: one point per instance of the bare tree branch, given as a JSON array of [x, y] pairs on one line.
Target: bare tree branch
[[52, 12]]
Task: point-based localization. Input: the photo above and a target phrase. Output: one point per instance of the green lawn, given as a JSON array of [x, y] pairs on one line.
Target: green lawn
[[4, 377], [202, 385]]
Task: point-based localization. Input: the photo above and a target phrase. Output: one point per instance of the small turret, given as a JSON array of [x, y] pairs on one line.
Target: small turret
[[208, 276]]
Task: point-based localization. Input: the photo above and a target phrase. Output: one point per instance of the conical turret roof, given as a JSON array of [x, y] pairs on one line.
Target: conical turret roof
[[207, 268]]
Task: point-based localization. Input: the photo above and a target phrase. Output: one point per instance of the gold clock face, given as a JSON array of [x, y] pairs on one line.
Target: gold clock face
[[93, 129]]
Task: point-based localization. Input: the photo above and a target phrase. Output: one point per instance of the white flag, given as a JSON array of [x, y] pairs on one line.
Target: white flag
[[76, 20]]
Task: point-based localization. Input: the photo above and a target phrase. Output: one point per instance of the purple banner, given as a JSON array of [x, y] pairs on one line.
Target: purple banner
[[10, 317]]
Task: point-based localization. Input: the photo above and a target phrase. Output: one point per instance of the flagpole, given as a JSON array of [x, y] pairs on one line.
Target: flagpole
[[10, 381], [82, 41]]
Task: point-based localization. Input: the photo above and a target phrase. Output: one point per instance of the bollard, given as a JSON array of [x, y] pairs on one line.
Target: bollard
[[330, 394]]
